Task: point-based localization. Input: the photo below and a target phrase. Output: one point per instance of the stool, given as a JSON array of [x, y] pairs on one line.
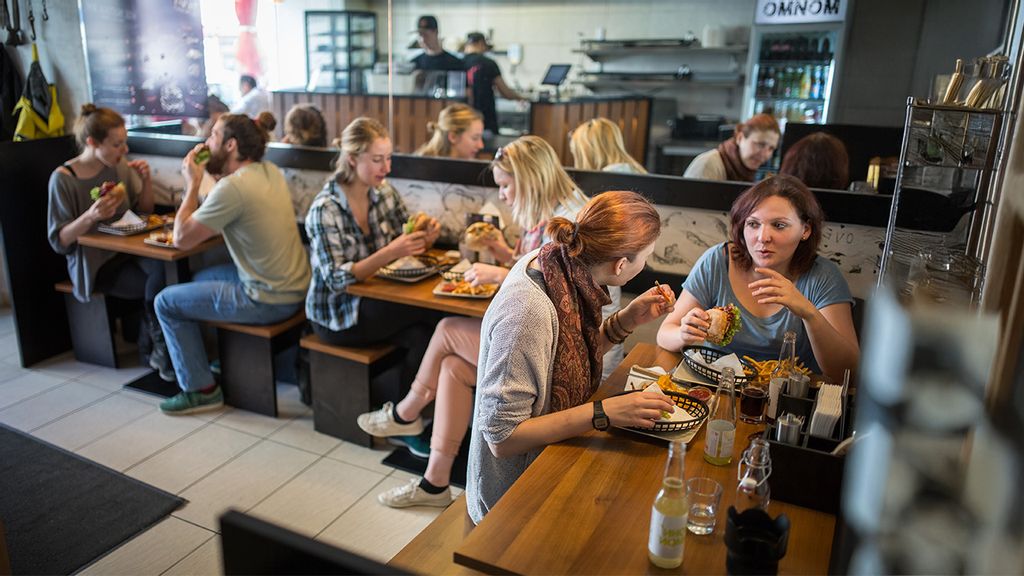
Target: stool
[[340, 377], [247, 361], [92, 326]]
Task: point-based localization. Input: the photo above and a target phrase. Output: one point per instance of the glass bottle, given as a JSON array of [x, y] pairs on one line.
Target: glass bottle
[[755, 467], [787, 357], [721, 432], [669, 513]]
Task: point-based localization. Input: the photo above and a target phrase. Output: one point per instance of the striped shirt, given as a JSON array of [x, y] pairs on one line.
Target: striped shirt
[[337, 243]]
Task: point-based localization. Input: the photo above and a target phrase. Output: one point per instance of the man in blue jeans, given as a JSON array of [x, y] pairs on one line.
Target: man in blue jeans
[[251, 207]]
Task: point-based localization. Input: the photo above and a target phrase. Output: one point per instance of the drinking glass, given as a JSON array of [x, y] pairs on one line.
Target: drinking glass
[[704, 496], [753, 400]]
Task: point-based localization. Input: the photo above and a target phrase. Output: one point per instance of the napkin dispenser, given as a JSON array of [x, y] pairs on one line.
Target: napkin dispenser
[[807, 474]]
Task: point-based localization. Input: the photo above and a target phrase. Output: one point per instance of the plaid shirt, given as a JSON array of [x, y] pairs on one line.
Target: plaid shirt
[[337, 243]]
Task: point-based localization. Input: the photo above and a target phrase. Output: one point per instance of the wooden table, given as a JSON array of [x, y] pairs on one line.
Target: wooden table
[[418, 294], [176, 261], [584, 506]]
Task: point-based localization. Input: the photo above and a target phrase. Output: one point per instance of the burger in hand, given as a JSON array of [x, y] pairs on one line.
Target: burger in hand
[[105, 189], [480, 235], [418, 222], [725, 323]]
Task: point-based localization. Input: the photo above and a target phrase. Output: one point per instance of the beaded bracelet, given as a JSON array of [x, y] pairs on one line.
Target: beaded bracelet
[[621, 329]]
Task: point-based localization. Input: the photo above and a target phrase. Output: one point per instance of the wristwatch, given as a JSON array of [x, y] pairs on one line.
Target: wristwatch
[[600, 420]]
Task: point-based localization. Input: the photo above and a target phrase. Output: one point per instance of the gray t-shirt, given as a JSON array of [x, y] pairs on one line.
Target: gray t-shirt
[[252, 208], [517, 353], [68, 199], [761, 338]]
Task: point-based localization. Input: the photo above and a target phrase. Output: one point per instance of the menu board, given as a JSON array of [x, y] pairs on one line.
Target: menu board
[[146, 56]]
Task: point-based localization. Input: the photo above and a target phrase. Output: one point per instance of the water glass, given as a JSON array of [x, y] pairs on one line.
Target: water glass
[[704, 496]]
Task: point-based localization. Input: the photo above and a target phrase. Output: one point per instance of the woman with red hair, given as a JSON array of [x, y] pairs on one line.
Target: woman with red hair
[[543, 339], [739, 157]]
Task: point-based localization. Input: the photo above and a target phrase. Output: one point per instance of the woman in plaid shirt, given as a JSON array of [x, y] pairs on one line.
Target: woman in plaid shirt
[[355, 228]]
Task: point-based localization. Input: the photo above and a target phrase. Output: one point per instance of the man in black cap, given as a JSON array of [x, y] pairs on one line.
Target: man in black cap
[[433, 57], [482, 77]]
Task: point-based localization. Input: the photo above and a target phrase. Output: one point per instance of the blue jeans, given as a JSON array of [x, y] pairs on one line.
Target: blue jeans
[[215, 294]]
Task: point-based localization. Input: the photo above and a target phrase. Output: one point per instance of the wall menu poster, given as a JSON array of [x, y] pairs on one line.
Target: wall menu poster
[[146, 56]]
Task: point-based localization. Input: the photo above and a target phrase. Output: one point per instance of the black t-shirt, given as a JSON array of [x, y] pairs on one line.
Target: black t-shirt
[[442, 61], [481, 72]]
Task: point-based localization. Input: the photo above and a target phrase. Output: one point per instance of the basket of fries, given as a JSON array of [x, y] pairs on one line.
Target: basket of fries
[[692, 406], [710, 355], [764, 368]]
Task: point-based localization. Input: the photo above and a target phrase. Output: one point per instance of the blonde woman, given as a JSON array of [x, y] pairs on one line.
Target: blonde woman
[[458, 133], [533, 183], [355, 228], [597, 145]]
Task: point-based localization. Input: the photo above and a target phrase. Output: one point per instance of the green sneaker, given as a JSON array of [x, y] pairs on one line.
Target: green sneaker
[[192, 402]]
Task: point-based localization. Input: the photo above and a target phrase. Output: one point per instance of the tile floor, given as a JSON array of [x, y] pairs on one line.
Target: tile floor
[[279, 469]]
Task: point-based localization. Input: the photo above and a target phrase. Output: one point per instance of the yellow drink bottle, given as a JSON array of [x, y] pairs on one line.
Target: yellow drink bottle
[[669, 513]]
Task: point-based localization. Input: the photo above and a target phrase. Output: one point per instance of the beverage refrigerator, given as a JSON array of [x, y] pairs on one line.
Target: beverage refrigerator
[[793, 68]]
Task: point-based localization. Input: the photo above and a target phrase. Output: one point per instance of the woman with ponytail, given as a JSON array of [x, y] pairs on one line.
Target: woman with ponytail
[[543, 338], [73, 211], [458, 133]]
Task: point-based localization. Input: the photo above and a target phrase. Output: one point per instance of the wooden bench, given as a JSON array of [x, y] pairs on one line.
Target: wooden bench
[[247, 364], [340, 377], [432, 551], [92, 326]]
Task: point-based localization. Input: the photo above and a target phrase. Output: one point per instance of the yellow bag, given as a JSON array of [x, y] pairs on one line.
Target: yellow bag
[[39, 115]]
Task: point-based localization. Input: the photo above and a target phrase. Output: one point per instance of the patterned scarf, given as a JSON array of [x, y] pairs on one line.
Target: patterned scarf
[[578, 301], [734, 167]]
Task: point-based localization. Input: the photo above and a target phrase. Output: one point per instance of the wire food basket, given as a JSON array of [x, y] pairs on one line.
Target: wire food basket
[[693, 406], [429, 266], [710, 355]]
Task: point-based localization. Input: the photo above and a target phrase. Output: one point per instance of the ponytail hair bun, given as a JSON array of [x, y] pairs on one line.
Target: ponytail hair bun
[[95, 122], [612, 225], [566, 233], [266, 121]]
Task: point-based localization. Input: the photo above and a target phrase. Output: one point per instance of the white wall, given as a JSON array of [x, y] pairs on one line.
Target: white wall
[[550, 31], [61, 55]]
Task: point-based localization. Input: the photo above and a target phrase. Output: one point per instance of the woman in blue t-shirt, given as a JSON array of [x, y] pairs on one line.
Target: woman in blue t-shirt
[[772, 272]]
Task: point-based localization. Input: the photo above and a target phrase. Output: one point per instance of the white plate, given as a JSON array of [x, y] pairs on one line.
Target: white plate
[[439, 292], [152, 242]]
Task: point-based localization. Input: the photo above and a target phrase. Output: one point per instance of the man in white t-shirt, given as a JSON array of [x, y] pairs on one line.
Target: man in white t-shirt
[[254, 99]]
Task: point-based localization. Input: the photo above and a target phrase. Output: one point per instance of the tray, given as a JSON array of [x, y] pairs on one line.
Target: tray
[[152, 242], [420, 275], [439, 292], [710, 355]]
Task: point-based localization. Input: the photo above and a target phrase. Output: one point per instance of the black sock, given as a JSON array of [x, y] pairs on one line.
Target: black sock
[[430, 488], [394, 414]]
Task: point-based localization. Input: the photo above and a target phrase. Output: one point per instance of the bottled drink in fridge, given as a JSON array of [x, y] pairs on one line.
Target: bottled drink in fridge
[[721, 432], [667, 537]]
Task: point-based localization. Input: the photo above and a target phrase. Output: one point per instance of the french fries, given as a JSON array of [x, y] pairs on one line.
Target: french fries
[[463, 287], [766, 367]]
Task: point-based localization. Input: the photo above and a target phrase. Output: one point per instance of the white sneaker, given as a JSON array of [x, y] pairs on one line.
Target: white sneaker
[[410, 495], [382, 423]]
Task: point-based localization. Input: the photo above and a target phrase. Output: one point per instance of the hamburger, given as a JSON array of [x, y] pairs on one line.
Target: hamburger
[[418, 222], [725, 323], [202, 155], [106, 188], [479, 234]]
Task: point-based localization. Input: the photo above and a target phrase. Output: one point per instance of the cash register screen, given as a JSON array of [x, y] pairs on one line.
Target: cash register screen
[[556, 74]]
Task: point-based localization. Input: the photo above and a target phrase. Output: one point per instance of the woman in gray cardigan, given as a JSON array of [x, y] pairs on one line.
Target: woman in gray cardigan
[[543, 339]]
